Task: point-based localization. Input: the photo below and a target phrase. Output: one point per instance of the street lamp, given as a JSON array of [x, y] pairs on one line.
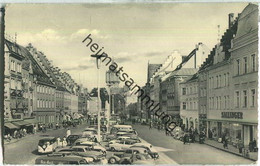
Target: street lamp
[[98, 58]]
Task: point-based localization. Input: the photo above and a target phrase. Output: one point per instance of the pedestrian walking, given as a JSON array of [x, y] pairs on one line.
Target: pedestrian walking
[[68, 132], [150, 126], [34, 129], [185, 138], [15, 134], [57, 125]]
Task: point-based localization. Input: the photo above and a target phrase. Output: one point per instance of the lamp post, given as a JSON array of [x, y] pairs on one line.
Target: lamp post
[[98, 58]]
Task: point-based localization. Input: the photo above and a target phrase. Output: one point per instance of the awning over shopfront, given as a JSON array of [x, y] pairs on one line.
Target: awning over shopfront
[[10, 125], [21, 123]]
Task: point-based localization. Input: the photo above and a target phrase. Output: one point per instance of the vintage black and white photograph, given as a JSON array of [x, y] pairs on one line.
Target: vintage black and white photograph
[[140, 83]]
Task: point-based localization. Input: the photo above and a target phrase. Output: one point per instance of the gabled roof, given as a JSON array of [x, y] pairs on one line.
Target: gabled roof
[[181, 72], [40, 75]]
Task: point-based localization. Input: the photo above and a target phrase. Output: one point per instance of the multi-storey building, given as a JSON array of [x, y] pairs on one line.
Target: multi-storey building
[[233, 81], [242, 120], [44, 103], [189, 100], [14, 101], [173, 91]]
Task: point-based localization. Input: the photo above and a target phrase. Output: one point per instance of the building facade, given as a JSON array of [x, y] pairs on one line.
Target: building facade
[[189, 100]]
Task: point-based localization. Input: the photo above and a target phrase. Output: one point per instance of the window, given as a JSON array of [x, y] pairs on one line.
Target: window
[[245, 98], [217, 103], [237, 99], [225, 80], [228, 102], [19, 68], [217, 82], [225, 100], [238, 67], [184, 105], [19, 85], [245, 64], [12, 65], [253, 62], [38, 103], [220, 81], [252, 97]]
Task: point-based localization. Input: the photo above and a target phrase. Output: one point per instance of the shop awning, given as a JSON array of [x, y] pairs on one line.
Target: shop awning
[[10, 125], [21, 123]]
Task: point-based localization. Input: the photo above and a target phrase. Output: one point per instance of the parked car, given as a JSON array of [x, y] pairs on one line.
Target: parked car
[[130, 156], [122, 145], [72, 138], [59, 160], [47, 145], [118, 139], [86, 151], [153, 152], [70, 152], [89, 156], [92, 145]]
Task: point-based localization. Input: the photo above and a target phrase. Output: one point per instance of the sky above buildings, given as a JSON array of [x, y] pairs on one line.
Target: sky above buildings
[[131, 33]]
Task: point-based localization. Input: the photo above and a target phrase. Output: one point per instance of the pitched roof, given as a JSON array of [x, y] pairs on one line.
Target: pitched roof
[[37, 71], [181, 72]]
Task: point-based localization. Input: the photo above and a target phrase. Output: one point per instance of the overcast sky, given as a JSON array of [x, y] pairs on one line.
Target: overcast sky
[[131, 33]]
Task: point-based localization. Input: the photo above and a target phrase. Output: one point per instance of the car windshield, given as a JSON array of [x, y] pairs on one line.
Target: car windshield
[[44, 141]]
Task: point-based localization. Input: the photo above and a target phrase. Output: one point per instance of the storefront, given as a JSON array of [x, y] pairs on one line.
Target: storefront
[[235, 126]]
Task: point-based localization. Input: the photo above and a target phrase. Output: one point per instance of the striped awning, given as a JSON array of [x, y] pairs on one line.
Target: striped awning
[[10, 125]]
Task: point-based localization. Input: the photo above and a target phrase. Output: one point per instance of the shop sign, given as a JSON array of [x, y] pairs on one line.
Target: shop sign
[[232, 115]]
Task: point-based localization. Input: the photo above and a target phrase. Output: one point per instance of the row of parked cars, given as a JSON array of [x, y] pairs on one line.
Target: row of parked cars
[[128, 148], [122, 141]]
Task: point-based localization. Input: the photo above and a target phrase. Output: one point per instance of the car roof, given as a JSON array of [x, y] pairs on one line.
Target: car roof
[[122, 126], [47, 138], [136, 148]]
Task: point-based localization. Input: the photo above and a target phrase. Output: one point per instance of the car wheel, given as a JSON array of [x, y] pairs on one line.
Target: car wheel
[[112, 160]]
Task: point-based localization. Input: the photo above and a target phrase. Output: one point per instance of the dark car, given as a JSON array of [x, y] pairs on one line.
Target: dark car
[[72, 138]]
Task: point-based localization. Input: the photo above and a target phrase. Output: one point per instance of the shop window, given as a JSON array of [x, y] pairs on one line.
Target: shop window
[[245, 98]]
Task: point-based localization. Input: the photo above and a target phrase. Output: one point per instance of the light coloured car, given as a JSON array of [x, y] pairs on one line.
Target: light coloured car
[[150, 149], [122, 145], [118, 139], [93, 145]]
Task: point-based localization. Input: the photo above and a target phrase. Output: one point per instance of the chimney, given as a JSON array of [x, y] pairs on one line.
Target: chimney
[[230, 19]]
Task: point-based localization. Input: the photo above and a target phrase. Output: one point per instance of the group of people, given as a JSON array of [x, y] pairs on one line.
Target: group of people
[[157, 125]]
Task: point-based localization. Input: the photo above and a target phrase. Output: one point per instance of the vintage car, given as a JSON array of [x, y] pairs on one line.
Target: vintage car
[[152, 151], [92, 145], [129, 156], [83, 151], [122, 145], [60, 160], [72, 138], [117, 156]]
